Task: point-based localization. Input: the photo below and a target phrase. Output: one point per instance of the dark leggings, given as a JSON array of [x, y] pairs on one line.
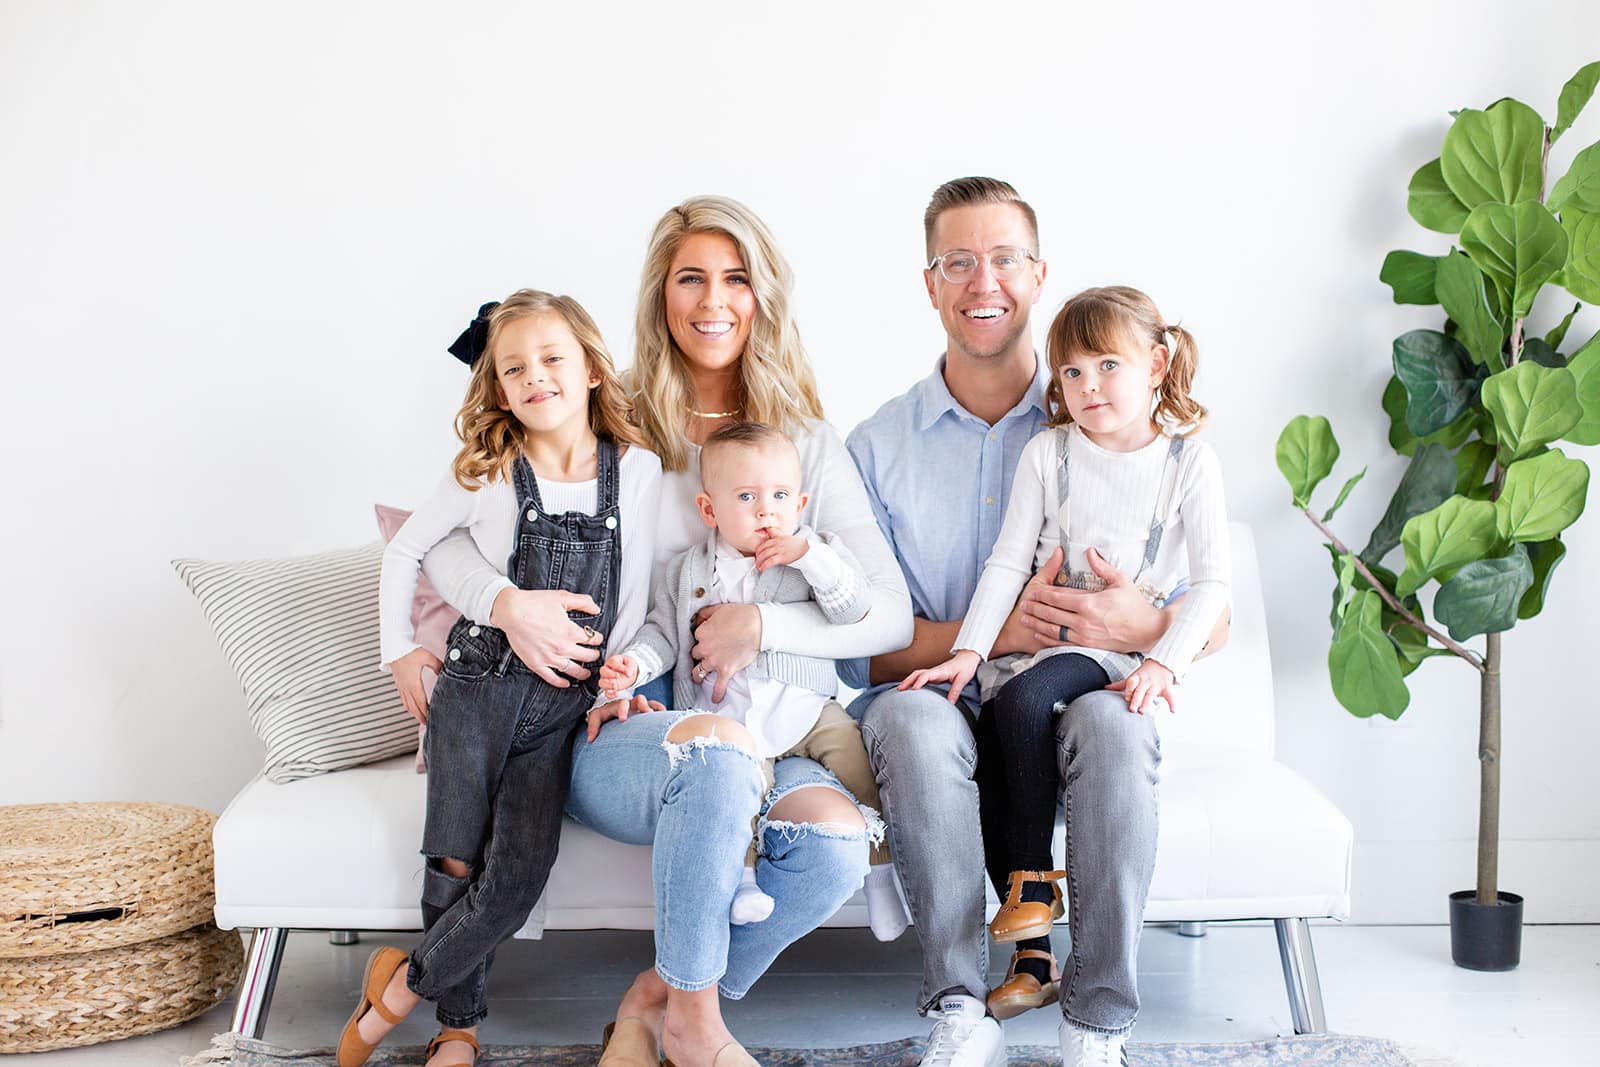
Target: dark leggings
[[1025, 714]]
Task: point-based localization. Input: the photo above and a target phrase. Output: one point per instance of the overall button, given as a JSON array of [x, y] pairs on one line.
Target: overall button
[[533, 515], [474, 631], [455, 654], [611, 522]]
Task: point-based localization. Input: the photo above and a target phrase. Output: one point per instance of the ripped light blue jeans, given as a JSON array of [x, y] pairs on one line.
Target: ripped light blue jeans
[[694, 803]]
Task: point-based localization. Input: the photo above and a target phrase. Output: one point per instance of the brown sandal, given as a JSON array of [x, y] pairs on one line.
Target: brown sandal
[[630, 1043], [1022, 992], [1018, 920], [732, 1054], [382, 964], [449, 1034]]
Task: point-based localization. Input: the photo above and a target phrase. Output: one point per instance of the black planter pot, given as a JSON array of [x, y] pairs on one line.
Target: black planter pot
[[1485, 937]]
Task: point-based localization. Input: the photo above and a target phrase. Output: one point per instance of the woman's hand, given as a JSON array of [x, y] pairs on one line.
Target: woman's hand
[[407, 672], [957, 670], [1144, 686], [1117, 618], [535, 622], [618, 673], [727, 639], [600, 714]]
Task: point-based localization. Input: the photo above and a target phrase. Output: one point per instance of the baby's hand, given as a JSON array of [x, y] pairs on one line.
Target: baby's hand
[[617, 674], [957, 670], [407, 671], [1144, 685], [780, 548]]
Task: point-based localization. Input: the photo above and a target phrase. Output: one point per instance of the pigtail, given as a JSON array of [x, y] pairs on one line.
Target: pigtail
[[1177, 411]]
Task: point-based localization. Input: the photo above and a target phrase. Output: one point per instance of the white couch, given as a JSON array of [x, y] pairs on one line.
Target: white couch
[[1242, 837]]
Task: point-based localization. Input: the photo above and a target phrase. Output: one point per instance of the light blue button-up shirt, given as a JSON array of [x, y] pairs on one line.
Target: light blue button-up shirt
[[939, 478]]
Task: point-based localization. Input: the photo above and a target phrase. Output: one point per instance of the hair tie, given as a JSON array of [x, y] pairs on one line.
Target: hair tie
[[475, 338]]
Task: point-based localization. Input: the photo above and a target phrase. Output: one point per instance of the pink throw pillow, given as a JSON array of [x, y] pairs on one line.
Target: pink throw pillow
[[431, 617]]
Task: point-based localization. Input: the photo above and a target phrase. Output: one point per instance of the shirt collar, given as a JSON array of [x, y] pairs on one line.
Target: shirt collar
[[934, 398]]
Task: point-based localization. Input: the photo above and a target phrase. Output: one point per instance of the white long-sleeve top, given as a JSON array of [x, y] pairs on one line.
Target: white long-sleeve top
[[1113, 498], [489, 517], [838, 505]]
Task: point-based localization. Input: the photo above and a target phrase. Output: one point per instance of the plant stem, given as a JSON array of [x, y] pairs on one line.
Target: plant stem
[[1489, 773], [1389, 598]]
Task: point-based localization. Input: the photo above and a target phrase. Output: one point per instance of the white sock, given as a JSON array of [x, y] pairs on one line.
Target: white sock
[[750, 904], [886, 915]]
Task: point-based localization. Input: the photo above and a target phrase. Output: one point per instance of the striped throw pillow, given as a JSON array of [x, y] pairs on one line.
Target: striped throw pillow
[[302, 635]]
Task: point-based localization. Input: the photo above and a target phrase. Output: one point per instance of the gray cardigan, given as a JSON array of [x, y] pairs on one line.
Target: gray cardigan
[[667, 635]]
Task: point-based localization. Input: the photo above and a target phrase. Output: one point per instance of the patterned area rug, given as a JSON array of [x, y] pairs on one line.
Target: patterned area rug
[[1329, 1050]]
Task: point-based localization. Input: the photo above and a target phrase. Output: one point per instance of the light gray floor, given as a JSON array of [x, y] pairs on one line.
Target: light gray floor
[[840, 987]]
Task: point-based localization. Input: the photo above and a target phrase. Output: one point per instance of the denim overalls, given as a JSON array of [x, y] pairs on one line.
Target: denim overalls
[[499, 747]]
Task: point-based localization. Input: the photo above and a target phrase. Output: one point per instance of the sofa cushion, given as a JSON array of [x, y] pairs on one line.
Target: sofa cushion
[[301, 635]]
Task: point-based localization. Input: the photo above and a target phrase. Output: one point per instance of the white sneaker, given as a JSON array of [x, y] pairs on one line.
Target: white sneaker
[[750, 904], [886, 915], [1089, 1048], [964, 1036]]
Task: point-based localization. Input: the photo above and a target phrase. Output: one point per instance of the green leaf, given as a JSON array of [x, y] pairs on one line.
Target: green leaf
[[1519, 247], [1431, 203], [1542, 496], [1363, 664], [1345, 569], [1585, 368], [1472, 465], [1456, 532], [1438, 376], [1410, 642], [1307, 451], [1410, 275], [1401, 439], [1535, 349], [1427, 483], [1338, 502], [1493, 156], [1559, 334], [1581, 275], [1544, 556], [1574, 95], [1532, 406], [1482, 597], [1459, 286], [1579, 187]]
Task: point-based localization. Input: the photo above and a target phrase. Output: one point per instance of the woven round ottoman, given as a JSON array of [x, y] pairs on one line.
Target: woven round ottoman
[[105, 923]]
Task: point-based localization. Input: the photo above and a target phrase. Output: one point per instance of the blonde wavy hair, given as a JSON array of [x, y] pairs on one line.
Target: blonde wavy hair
[[776, 383], [491, 437], [1102, 320]]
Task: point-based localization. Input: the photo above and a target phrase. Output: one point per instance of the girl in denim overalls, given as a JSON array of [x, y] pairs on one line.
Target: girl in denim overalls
[[545, 480]]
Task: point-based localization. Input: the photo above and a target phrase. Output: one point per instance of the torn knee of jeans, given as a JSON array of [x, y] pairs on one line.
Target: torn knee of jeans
[[438, 864], [678, 751], [792, 831], [875, 826], [825, 780]]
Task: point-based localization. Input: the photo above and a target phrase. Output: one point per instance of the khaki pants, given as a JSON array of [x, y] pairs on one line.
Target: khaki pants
[[835, 742]]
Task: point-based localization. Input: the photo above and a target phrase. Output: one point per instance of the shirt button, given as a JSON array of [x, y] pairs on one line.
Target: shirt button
[[991, 435], [699, 591], [989, 500], [474, 631], [455, 653], [611, 522]]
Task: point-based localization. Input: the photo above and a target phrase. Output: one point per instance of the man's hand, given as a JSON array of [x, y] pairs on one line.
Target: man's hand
[[407, 671], [780, 548], [1142, 688], [957, 670], [1117, 618], [1017, 635], [619, 710], [618, 673], [727, 639], [535, 622]]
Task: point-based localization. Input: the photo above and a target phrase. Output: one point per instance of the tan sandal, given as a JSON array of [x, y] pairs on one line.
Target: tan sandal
[[1018, 920], [732, 1054], [629, 1043], [450, 1034], [381, 966], [1022, 992]]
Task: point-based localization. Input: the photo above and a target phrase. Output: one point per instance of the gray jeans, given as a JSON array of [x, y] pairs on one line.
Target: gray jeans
[[924, 755]]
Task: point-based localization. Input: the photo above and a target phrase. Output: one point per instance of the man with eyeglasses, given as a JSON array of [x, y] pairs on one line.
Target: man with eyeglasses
[[937, 462]]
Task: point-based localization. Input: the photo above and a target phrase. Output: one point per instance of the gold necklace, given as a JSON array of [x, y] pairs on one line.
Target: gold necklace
[[715, 414]]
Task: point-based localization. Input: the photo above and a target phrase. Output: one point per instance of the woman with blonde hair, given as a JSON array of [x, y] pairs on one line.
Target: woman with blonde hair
[[716, 341]]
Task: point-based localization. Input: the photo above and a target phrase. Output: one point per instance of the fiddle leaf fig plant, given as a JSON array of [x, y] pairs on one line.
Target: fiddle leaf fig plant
[[1480, 409]]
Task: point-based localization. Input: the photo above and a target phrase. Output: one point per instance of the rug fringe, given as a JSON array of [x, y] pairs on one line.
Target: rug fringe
[[221, 1051]]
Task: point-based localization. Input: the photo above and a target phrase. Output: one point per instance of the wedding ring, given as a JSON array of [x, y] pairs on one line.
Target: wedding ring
[[590, 633], [698, 674], [1063, 631]]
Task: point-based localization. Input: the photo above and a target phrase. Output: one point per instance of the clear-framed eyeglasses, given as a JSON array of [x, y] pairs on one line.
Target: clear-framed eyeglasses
[[958, 265]]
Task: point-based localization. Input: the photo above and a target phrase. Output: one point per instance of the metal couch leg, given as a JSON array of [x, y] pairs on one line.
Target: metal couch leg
[[255, 985], [1300, 976], [343, 937], [1192, 929]]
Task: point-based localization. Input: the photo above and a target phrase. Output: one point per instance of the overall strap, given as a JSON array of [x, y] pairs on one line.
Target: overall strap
[[1169, 486], [607, 477], [1063, 501], [526, 484]]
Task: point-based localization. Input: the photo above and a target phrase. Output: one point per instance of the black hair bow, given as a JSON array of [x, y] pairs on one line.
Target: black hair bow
[[475, 338]]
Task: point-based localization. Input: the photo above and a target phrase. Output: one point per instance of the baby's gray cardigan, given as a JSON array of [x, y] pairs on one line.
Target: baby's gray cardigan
[[685, 588]]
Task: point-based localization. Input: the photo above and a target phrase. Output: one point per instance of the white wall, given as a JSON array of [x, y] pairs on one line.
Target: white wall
[[235, 238]]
